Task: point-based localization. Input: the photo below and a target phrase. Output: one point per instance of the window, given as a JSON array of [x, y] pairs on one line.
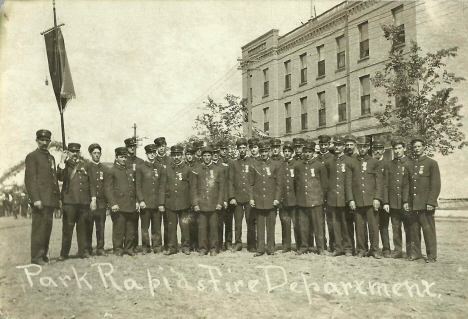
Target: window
[[365, 95], [342, 103], [340, 55], [287, 112], [364, 40], [304, 113], [322, 109], [398, 22], [303, 58], [321, 60], [266, 83], [287, 76], [266, 120]]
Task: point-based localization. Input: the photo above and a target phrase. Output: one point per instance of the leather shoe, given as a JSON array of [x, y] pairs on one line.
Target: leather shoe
[[169, 252], [258, 254], [337, 253], [213, 253], [202, 252], [397, 255], [187, 252], [430, 260], [386, 254], [348, 254], [411, 258], [45, 259], [39, 262], [360, 255], [62, 258]]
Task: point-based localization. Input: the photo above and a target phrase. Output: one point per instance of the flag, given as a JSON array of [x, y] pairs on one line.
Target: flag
[[59, 69], [260, 133]]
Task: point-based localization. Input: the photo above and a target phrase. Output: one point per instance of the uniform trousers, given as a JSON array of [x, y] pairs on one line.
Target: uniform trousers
[[193, 231], [136, 238], [123, 227], [208, 226], [352, 230], [384, 220], [225, 227], [297, 228], [328, 219], [398, 217], [286, 214], [156, 222], [97, 217], [424, 219], [239, 210], [266, 218], [183, 218], [251, 221], [368, 215], [74, 214], [145, 218], [306, 216], [41, 228], [341, 229]]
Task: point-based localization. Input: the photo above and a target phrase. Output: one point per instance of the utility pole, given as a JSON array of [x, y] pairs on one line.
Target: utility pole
[[244, 65], [134, 130]]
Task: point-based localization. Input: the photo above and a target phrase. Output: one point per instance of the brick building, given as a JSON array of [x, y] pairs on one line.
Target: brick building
[[315, 79]]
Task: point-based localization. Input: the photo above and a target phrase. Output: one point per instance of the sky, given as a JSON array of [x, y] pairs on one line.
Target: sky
[[152, 63]]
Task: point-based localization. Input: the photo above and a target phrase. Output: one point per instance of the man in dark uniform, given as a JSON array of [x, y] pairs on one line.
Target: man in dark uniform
[[396, 196], [163, 159], [120, 192], [324, 157], [76, 199], [41, 183], [239, 196], [364, 185], [378, 149], [276, 149], [336, 200], [298, 148], [198, 146], [193, 163], [219, 164], [226, 214], [132, 162], [150, 181], [98, 201], [207, 193], [265, 194], [288, 210], [424, 191], [312, 183], [253, 147], [178, 201]]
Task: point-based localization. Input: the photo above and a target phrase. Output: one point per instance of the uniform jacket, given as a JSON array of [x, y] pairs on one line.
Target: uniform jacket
[[119, 187], [193, 164], [265, 183], [424, 183], [289, 186], [224, 167], [312, 183], [396, 183], [178, 186], [40, 178], [276, 157], [133, 162], [76, 183], [323, 158], [207, 187], [96, 183], [299, 158], [165, 160], [239, 185], [337, 168], [151, 181], [364, 181]]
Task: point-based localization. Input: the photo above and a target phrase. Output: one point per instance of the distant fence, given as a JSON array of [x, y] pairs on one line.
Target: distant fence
[[453, 203]]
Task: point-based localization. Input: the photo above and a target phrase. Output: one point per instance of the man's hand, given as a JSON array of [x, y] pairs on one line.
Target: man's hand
[[196, 208], [406, 207], [233, 202], [252, 203], [386, 208], [161, 209], [430, 207], [38, 204], [219, 207], [142, 205], [115, 208], [276, 203], [137, 206], [352, 205], [64, 156], [376, 204], [225, 205], [93, 204]]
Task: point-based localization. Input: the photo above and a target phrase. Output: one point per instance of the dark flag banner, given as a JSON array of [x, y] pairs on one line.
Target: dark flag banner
[[59, 69]]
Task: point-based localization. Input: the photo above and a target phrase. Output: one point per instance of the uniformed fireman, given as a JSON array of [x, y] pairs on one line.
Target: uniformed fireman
[[253, 147], [298, 147], [324, 156], [226, 215], [275, 149], [193, 162]]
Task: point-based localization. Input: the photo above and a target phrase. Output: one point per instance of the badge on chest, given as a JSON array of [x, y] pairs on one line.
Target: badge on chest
[[155, 172], [421, 169], [211, 173], [343, 168], [292, 172], [364, 166], [179, 176], [312, 172], [268, 171], [246, 168], [101, 175]]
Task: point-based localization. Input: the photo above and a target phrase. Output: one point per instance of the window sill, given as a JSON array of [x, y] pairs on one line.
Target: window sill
[[366, 58], [304, 130], [322, 126], [363, 116], [342, 122], [302, 84], [320, 77], [286, 90], [340, 70], [265, 96], [287, 134]]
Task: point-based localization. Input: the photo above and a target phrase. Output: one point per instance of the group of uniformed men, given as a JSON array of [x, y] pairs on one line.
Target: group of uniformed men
[[204, 190]]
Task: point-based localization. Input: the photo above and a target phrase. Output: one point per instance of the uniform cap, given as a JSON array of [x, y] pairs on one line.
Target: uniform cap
[[214, 147], [207, 149], [264, 145], [176, 149], [74, 147], [298, 141], [275, 142], [150, 148], [254, 141], [350, 137], [190, 150], [418, 139], [324, 138], [363, 140], [241, 141], [197, 145], [93, 146], [309, 144], [159, 141], [398, 140], [223, 144], [288, 144], [121, 151], [378, 144], [338, 140], [43, 134], [130, 141]]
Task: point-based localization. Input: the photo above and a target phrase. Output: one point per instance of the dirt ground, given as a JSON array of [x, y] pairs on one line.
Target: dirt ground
[[231, 285]]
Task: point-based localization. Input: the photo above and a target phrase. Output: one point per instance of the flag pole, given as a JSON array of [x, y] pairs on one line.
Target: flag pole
[[57, 59]]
